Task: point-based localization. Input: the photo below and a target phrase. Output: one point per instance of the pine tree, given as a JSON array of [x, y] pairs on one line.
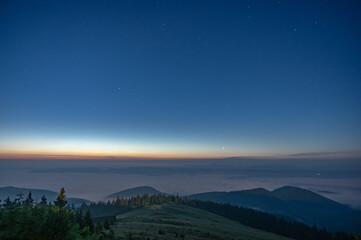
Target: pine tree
[[29, 200], [89, 221], [61, 200], [137, 201], [79, 218], [18, 199], [106, 224], [43, 201], [8, 203], [98, 228]]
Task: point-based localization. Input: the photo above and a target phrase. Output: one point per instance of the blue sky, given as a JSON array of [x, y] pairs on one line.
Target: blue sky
[[180, 78]]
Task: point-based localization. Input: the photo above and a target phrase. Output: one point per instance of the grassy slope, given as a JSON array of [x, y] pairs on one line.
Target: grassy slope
[[177, 219]]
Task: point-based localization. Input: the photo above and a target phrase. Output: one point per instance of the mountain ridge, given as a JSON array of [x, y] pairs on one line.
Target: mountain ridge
[[133, 192], [292, 202], [288, 201]]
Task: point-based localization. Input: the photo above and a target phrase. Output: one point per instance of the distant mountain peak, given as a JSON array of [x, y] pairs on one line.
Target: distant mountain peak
[[295, 193], [257, 191], [287, 188], [143, 187], [132, 192]]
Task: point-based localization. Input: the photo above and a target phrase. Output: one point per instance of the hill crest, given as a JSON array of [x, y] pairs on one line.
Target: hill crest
[[133, 192], [292, 202], [172, 220]]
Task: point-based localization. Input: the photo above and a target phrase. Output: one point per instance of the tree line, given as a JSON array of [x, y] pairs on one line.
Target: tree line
[[121, 205], [26, 219]]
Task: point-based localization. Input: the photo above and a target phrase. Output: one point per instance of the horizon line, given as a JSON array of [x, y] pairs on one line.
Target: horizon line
[[305, 155]]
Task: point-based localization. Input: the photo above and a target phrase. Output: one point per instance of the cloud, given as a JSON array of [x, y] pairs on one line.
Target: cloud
[[343, 154]]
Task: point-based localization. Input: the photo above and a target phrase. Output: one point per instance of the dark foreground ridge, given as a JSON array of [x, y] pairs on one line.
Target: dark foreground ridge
[[294, 203]]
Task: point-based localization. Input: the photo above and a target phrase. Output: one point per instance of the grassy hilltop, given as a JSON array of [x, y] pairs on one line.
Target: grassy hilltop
[[177, 221]]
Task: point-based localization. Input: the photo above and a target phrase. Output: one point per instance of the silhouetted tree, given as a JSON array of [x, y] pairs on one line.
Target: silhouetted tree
[[98, 228], [29, 200], [19, 198], [106, 224], [79, 218], [88, 221], [8, 203], [61, 200], [43, 201]]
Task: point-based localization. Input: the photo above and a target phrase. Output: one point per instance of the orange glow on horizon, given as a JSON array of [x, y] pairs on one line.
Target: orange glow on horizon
[[95, 156], [159, 156], [98, 149]]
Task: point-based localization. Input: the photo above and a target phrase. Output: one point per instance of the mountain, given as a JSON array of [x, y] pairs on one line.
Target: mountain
[[178, 221], [133, 192], [36, 194], [295, 203]]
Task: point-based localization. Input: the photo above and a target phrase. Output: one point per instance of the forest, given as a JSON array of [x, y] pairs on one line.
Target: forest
[[23, 218]]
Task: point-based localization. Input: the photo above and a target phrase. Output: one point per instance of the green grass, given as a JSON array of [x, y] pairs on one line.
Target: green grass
[[175, 221]]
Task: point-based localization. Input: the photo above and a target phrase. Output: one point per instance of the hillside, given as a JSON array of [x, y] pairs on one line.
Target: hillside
[[51, 196], [300, 204], [133, 192], [177, 221]]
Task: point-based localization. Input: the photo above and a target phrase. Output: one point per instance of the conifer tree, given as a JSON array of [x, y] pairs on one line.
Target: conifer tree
[[43, 201], [106, 224], [79, 218], [88, 221], [19, 198], [98, 228], [8, 203], [29, 200], [61, 200]]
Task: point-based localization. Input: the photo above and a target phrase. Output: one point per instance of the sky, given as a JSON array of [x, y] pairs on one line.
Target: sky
[[180, 79]]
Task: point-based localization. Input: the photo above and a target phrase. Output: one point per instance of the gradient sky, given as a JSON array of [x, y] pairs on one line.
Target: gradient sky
[[180, 78]]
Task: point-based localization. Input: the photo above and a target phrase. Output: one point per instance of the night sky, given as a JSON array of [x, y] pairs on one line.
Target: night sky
[[180, 78]]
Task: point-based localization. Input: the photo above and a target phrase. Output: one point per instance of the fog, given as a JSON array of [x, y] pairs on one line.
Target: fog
[[339, 180]]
